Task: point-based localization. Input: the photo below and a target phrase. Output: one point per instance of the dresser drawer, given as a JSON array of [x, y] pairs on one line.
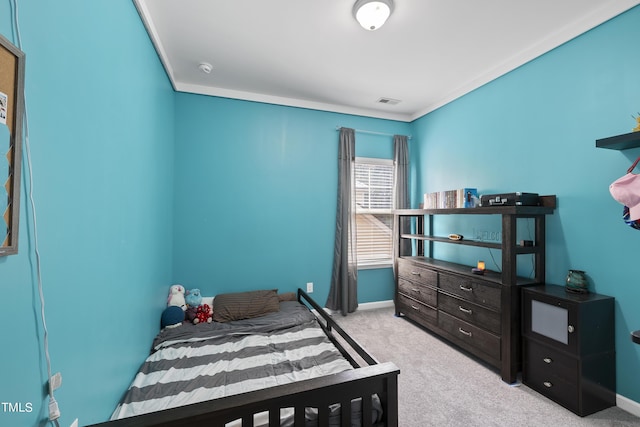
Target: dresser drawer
[[470, 312], [549, 363], [471, 290], [480, 339], [416, 310], [417, 273], [418, 291]]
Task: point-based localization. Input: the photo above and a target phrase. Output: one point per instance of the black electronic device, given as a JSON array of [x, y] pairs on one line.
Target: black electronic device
[[510, 199]]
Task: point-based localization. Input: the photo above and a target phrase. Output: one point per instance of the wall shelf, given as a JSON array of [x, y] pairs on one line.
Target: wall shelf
[[620, 142]]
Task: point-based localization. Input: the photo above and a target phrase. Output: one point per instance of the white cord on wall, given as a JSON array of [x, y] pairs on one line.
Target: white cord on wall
[[54, 412]]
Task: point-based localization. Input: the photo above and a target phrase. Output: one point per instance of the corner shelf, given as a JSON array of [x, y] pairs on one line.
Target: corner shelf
[[620, 142]]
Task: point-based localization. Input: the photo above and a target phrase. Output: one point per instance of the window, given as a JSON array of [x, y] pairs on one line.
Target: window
[[374, 203]]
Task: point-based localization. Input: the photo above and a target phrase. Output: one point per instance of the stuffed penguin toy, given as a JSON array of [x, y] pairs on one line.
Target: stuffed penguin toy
[[176, 297]]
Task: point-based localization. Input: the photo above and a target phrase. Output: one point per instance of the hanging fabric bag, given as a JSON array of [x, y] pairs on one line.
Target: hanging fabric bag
[[626, 190]]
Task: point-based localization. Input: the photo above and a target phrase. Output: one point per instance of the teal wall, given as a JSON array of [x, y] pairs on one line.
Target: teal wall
[[255, 195], [534, 130], [101, 125], [126, 170]]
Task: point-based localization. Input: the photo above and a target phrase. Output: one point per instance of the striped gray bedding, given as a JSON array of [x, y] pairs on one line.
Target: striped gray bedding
[[195, 363]]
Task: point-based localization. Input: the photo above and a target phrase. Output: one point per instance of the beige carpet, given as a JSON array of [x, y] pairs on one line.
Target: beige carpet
[[441, 386]]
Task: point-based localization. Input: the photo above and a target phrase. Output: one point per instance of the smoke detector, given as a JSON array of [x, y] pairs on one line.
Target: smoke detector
[[205, 67]]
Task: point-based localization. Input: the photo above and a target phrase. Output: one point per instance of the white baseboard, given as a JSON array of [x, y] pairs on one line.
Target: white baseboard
[[364, 306], [626, 404], [374, 305]]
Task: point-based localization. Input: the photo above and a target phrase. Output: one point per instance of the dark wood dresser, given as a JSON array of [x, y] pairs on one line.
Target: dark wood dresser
[[478, 313], [569, 347], [444, 298]]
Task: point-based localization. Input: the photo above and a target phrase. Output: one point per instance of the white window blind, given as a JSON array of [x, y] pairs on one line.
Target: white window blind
[[374, 203]]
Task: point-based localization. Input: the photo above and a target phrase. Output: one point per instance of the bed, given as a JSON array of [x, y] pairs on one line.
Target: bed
[[293, 366]]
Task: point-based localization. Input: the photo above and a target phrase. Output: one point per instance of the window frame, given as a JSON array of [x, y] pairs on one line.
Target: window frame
[[386, 262]]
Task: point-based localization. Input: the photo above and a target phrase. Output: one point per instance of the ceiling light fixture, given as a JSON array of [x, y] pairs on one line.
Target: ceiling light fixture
[[372, 14]]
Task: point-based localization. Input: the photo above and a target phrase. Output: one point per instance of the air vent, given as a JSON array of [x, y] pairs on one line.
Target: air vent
[[388, 101]]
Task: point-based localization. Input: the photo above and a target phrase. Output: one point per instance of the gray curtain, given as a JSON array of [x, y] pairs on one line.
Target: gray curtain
[[401, 185], [343, 294]]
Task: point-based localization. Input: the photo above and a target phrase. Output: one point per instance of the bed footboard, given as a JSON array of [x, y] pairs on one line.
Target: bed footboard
[[381, 379], [342, 388]]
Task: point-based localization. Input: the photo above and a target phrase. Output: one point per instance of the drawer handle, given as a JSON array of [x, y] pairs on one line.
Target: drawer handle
[[416, 290], [415, 273], [547, 360], [415, 308], [462, 331], [547, 384], [464, 310], [571, 329], [465, 288]]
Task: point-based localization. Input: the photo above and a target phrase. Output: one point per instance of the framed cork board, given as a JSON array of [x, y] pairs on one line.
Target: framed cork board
[[12, 62]]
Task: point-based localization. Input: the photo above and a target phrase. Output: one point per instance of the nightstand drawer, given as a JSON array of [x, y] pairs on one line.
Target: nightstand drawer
[[471, 290], [417, 273], [416, 310], [418, 291], [480, 339], [549, 363], [556, 389], [470, 312]]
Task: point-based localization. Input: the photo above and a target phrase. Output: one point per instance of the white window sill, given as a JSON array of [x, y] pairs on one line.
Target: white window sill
[[375, 265]]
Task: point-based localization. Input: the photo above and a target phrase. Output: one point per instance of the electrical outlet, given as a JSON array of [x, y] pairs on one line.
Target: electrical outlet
[[309, 287]]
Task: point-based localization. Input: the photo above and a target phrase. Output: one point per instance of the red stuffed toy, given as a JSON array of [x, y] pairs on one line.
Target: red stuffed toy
[[203, 314]]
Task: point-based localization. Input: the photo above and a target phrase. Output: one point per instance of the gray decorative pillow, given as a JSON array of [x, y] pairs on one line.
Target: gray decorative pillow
[[244, 305]]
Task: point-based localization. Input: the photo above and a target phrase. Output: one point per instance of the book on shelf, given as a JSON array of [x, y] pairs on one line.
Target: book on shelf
[[451, 199]]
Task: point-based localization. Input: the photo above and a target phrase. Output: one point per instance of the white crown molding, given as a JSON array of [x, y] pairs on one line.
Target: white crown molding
[[144, 13], [289, 102]]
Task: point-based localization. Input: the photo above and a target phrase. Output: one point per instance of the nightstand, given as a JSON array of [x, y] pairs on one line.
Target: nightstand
[[569, 347]]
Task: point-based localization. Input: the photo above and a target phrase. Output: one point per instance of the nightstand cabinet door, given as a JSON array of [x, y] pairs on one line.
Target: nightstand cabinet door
[[569, 348]]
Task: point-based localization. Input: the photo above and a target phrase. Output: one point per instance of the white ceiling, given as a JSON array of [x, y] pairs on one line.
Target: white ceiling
[[313, 54]]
